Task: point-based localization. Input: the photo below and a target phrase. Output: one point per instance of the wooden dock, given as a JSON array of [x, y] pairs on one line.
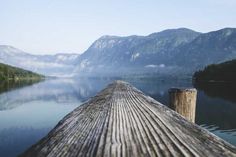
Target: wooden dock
[[122, 121]]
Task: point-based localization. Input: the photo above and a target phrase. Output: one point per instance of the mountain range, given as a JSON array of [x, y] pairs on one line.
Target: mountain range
[[50, 65], [173, 51]]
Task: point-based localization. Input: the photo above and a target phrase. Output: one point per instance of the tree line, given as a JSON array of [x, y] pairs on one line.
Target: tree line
[[223, 72], [8, 72]]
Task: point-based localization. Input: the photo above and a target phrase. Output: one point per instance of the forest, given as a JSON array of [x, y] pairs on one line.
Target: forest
[[8, 72], [223, 72]]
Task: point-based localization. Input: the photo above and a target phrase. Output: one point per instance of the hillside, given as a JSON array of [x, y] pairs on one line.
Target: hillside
[[61, 64], [172, 52], [224, 72], [133, 53], [208, 48], [12, 73]]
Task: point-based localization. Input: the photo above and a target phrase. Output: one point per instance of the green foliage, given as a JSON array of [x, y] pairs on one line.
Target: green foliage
[[225, 72], [12, 73]]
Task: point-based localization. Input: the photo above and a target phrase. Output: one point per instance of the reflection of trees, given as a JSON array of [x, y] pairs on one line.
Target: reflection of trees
[[12, 84], [215, 112], [212, 109], [218, 89], [158, 88]]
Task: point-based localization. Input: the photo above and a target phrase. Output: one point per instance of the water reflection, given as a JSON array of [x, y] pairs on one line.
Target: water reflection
[[12, 84], [215, 110], [59, 90], [28, 113], [158, 88], [222, 90]]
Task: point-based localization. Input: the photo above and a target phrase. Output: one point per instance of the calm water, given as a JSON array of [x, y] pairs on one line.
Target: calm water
[[27, 113]]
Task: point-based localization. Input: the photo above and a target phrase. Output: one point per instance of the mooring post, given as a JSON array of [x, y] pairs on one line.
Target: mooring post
[[183, 101]]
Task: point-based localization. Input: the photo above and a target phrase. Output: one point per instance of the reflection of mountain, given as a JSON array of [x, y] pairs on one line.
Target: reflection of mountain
[[215, 112], [62, 91]]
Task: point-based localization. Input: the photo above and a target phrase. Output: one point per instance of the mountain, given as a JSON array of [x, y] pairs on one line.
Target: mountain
[[12, 73], [170, 52], [113, 55], [173, 51], [208, 48], [50, 65]]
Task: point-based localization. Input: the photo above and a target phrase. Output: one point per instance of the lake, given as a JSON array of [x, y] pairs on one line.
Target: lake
[[29, 111]]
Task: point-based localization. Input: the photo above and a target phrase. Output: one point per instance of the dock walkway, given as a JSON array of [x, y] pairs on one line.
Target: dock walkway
[[122, 121]]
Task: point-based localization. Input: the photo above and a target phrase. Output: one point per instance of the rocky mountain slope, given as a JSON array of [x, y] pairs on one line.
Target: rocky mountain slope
[[132, 53], [208, 48], [171, 51]]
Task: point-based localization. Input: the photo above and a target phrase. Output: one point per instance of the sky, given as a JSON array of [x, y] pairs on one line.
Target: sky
[[71, 26]]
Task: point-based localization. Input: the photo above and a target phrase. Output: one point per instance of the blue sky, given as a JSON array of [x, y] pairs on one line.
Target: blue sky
[[52, 26]]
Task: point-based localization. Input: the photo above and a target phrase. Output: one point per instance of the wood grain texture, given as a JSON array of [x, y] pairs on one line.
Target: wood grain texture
[[122, 121]]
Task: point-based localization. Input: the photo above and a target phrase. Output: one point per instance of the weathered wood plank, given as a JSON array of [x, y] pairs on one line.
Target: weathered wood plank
[[183, 101], [122, 121]]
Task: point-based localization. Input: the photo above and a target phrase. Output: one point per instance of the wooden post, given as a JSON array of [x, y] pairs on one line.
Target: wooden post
[[183, 101]]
